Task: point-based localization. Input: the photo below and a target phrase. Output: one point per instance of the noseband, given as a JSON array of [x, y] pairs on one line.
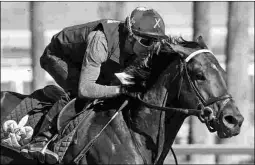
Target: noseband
[[203, 111]]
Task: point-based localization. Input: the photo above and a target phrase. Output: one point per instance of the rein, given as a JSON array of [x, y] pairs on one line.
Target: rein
[[182, 110]]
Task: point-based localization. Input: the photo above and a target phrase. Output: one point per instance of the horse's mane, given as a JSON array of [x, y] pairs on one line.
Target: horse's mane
[[180, 41], [146, 70]]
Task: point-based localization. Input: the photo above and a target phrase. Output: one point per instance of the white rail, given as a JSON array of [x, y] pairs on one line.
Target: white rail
[[213, 149]]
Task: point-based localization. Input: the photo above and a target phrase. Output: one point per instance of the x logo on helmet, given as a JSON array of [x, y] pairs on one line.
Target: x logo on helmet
[[157, 23]]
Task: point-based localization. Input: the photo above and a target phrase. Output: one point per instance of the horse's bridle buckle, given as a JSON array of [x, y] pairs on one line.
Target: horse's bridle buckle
[[206, 113]]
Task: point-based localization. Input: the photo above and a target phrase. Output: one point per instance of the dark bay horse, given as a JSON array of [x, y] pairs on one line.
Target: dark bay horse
[[144, 132], [186, 79]]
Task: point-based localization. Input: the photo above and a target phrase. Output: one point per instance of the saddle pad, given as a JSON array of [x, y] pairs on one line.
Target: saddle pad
[[25, 107], [68, 133], [62, 145]]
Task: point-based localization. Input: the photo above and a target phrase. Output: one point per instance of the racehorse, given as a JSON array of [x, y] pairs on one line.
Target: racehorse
[[182, 81]]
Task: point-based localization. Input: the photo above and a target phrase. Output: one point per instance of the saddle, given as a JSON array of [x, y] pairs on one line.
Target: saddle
[[70, 111], [35, 106], [70, 117], [76, 115]]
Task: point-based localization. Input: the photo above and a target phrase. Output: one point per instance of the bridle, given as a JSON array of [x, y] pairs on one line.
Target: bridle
[[206, 114], [203, 111]]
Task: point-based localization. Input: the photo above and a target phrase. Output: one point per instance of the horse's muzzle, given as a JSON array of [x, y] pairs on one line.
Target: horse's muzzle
[[229, 122]]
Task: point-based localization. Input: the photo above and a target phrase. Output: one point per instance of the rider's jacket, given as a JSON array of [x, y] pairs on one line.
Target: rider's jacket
[[71, 41], [70, 44]]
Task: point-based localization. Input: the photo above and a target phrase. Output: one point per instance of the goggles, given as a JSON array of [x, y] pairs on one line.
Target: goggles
[[147, 43]]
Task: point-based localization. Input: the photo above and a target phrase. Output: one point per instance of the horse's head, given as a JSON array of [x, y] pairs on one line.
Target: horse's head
[[201, 83], [204, 87]]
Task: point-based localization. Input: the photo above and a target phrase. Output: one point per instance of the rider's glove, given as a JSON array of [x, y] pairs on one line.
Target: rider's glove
[[128, 91]]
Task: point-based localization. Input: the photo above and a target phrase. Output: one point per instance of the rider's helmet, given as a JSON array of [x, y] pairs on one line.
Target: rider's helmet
[[146, 26]]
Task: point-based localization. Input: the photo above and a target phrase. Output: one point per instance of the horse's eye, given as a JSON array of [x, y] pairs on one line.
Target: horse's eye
[[200, 76]]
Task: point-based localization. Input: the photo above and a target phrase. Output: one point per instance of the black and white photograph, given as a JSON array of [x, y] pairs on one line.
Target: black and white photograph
[[127, 82]]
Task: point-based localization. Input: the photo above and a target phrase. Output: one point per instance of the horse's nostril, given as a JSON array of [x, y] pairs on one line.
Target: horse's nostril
[[240, 120], [230, 121]]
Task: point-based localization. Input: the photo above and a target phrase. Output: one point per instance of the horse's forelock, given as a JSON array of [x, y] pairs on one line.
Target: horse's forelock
[[181, 41]]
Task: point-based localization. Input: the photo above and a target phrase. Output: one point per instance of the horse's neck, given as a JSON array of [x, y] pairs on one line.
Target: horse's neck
[[155, 129], [146, 119]]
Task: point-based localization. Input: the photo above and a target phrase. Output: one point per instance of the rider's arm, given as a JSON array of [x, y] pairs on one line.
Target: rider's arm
[[96, 53]]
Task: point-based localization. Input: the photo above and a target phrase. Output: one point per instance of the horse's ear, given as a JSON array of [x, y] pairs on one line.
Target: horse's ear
[[182, 51], [201, 42]]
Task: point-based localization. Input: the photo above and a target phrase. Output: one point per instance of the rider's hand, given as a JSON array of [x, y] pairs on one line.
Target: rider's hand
[[128, 91]]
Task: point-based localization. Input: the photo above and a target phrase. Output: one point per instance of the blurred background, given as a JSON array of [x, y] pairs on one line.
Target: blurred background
[[227, 27]]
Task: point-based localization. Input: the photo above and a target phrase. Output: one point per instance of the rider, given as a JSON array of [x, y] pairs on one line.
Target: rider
[[83, 59]]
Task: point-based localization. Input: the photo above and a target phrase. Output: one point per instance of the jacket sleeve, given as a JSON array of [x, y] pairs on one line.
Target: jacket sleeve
[[96, 53]]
